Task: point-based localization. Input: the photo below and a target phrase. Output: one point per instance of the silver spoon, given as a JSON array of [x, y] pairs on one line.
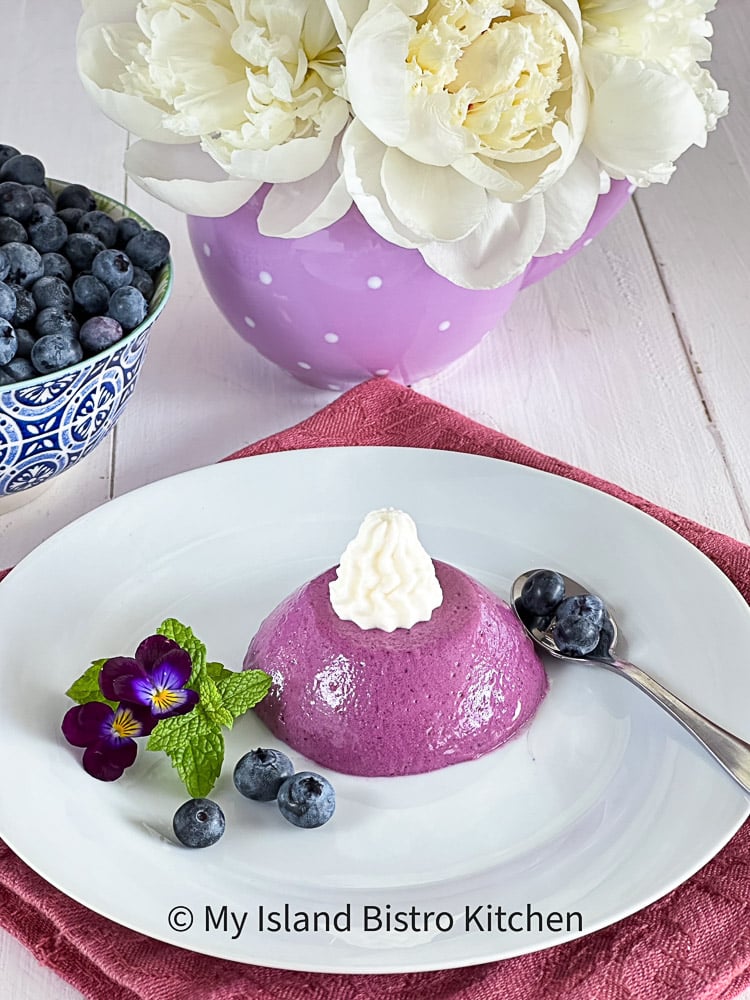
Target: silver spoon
[[730, 751]]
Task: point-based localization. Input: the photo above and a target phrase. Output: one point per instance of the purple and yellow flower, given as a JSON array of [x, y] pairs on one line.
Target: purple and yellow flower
[[108, 734], [153, 679]]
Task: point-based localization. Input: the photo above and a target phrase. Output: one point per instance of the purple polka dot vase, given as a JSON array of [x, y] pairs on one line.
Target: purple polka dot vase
[[339, 306]]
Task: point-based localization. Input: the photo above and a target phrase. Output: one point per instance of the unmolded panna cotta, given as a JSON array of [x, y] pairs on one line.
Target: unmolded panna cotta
[[370, 702]]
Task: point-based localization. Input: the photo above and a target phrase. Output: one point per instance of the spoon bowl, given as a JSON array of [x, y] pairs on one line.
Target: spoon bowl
[[732, 753]]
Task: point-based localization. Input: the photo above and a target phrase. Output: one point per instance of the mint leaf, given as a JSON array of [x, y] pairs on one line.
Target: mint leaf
[[86, 688], [184, 637], [195, 747], [211, 703], [216, 671], [240, 691]]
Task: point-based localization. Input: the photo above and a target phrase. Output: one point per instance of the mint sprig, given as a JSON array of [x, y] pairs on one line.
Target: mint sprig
[[194, 742]]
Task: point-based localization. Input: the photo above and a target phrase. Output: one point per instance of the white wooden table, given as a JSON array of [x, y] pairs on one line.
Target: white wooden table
[[633, 362]]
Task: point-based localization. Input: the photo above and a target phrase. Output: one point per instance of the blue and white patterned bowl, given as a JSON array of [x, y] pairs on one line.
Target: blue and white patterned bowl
[[51, 422]]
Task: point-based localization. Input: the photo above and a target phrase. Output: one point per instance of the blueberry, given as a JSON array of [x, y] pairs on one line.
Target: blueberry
[[113, 269], [52, 292], [149, 249], [542, 592], [260, 774], [7, 302], [15, 201], [57, 266], [576, 636], [40, 211], [20, 369], [25, 264], [128, 307], [99, 333], [56, 351], [307, 799], [4, 266], [198, 823], [76, 196], [11, 231], [70, 217], [25, 340], [126, 230], [25, 306], [90, 294], [6, 152], [143, 281], [100, 225], [48, 234], [41, 196], [587, 606], [6, 378], [8, 342], [81, 248], [23, 169], [606, 634], [54, 320]]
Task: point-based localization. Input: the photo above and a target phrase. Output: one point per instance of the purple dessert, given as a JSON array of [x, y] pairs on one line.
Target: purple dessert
[[377, 703]]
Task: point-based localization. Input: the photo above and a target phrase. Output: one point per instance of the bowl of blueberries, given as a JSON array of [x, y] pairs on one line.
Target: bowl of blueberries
[[82, 280]]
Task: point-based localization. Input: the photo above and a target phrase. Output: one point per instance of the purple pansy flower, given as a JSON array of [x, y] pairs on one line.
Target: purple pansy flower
[[155, 678], [108, 735]]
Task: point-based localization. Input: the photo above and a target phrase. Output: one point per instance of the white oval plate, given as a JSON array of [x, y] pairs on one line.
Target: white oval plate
[[602, 805]]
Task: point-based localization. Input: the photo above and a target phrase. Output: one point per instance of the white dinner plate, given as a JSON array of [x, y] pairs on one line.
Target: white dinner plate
[[600, 806]]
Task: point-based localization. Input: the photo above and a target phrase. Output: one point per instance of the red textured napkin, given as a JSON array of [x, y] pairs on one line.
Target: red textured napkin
[[692, 945]]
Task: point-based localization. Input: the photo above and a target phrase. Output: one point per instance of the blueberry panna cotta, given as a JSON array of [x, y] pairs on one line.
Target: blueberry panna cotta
[[260, 774], [307, 800], [199, 823]]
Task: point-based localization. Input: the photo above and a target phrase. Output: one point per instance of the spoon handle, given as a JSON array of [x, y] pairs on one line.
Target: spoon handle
[[731, 752]]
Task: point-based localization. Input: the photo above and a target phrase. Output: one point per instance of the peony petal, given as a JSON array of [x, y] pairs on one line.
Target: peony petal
[[288, 162], [435, 203], [642, 117], [497, 251], [569, 11], [294, 210], [345, 14], [363, 158], [100, 72], [570, 203], [187, 179]]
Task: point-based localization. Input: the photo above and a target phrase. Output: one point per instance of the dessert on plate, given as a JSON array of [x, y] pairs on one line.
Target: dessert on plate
[[392, 663]]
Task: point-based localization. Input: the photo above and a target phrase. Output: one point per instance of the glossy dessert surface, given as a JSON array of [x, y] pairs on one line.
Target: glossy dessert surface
[[376, 703]]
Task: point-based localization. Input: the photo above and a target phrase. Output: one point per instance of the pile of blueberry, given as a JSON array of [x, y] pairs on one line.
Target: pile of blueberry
[[73, 280], [579, 625], [304, 798]]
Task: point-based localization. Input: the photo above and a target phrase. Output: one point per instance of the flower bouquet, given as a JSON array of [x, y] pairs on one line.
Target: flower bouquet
[[476, 134]]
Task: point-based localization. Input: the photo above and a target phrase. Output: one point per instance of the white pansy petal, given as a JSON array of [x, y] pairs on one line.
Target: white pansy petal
[[497, 251], [642, 118], [186, 178], [285, 163], [435, 203], [363, 159], [570, 203], [293, 210]]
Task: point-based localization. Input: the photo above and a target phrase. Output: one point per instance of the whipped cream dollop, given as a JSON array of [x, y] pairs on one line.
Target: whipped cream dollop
[[385, 579]]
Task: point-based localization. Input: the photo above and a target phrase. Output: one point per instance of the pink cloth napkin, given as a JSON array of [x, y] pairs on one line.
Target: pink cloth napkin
[[692, 945]]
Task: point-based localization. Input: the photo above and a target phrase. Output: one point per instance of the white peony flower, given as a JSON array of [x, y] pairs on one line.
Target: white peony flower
[[227, 94], [478, 111], [651, 99]]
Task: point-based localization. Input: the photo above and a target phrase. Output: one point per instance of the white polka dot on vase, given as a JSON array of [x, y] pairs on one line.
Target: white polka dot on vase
[[206, 249], [331, 338], [334, 388], [588, 242], [249, 321], [304, 364], [382, 371], [374, 281], [265, 278], [445, 325]]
